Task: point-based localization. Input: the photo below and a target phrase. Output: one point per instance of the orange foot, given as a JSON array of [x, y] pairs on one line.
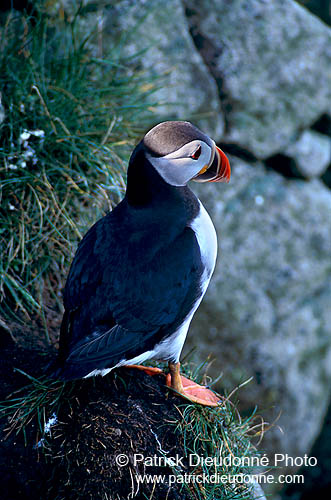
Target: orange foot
[[189, 389], [182, 385]]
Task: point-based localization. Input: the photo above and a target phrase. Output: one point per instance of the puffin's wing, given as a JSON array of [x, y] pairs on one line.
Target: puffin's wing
[[118, 298], [86, 270]]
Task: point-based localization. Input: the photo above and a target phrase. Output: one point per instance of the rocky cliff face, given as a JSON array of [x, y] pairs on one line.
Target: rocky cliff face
[[255, 75], [266, 311], [269, 59]]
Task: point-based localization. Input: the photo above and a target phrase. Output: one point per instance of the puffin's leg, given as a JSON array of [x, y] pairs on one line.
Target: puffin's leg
[[189, 389], [150, 370], [176, 378]]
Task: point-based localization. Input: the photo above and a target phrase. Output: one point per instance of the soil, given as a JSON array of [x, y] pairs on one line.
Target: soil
[[23, 470], [127, 412]]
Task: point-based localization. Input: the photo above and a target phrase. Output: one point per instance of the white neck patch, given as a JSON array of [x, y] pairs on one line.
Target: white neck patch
[[178, 167]]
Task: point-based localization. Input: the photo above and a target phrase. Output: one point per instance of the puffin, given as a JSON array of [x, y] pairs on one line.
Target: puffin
[[141, 271]]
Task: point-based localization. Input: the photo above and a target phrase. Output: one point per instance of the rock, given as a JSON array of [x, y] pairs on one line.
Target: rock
[[189, 91], [185, 89], [266, 313], [311, 153], [271, 61]]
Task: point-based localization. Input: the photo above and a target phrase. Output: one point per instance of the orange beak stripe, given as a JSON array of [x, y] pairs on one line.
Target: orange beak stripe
[[224, 169]]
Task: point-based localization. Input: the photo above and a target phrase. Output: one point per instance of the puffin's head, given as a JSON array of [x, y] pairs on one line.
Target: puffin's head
[[180, 152]]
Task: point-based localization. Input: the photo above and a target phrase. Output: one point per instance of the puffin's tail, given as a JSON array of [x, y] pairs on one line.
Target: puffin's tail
[[105, 349], [56, 370]]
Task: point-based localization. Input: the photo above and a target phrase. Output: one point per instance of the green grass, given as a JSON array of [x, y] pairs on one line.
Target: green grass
[[220, 434], [35, 402], [70, 124]]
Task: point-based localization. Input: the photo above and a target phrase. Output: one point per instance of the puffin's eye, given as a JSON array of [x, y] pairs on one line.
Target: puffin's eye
[[196, 153]]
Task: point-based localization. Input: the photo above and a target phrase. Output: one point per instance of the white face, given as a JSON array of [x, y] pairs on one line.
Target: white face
[[179, 167]]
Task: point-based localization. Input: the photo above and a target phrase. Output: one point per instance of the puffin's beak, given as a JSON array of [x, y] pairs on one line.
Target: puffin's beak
[[218, 169], [223, 167]]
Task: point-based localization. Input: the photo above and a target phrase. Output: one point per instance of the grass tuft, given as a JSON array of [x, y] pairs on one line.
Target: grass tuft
[[34, 402], [205, 432], [221, 434], [70, 121]]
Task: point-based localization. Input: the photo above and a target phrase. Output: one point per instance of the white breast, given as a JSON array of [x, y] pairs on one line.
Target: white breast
[[207, 240], [206, 236]]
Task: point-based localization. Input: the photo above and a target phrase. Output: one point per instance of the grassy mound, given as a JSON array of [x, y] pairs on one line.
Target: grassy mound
[[125, 413]]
